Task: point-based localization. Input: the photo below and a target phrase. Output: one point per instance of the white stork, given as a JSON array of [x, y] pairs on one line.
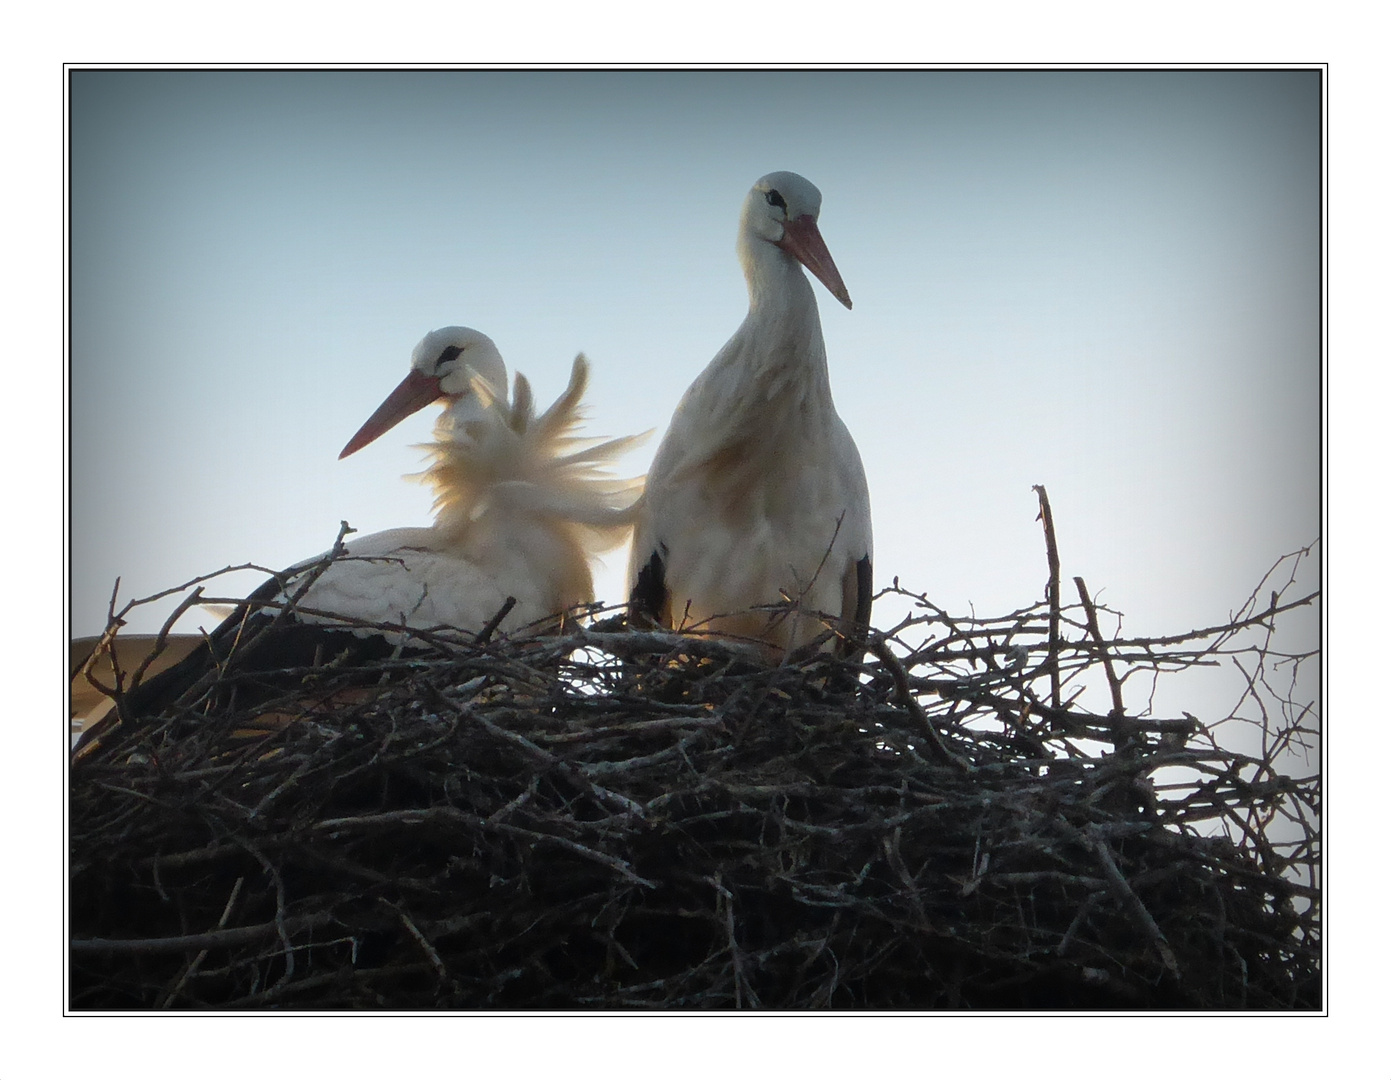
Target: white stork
[[757, 496], [521, 504]]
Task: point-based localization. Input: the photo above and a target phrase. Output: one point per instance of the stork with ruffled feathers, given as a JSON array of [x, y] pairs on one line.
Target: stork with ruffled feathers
[[756, 517], [521, 506]]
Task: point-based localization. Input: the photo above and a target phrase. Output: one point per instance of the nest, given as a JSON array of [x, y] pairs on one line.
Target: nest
[[605, 819]]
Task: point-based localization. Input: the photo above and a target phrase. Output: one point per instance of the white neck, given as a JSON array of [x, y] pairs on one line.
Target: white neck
[[780, 343]]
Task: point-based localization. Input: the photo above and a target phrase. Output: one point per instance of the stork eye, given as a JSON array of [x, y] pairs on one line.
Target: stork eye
[[774, 199], [449, 353]]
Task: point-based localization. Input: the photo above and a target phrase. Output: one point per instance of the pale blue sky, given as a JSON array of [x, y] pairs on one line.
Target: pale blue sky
[[1107, 283]]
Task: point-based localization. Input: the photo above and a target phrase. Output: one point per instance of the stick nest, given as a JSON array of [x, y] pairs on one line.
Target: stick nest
[[628, 820]]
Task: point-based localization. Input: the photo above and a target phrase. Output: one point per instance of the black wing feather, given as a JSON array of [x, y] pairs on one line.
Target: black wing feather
[[650, 598]]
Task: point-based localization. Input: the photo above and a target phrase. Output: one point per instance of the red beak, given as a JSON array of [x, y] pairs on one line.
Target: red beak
[[415, 392], [802, 240]]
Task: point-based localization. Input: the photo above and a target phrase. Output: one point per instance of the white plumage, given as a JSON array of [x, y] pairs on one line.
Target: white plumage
[[521, 502], [521, 505], [757, 494]]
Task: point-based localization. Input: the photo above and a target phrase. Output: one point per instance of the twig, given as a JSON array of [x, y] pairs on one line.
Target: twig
[[459, 817], [213, 939], [161, 639], [492, 624], [1121, 735], [1045, 512], [281, 922], [420, 939], [197, 961], [1122, 887], [880, 648], [545, 756], [239, 650]]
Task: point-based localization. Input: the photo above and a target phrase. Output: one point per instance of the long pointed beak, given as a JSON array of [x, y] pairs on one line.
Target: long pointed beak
[[413, 394], [802, 240]]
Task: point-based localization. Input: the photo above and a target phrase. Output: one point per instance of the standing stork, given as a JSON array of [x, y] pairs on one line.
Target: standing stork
[[756, 497], [521, 505]]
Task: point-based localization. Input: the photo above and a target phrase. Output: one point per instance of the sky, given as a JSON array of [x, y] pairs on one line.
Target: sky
[[1107, 283]]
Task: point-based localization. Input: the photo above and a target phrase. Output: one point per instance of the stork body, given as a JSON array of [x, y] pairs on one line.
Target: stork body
[[521, 504], [757, 494]]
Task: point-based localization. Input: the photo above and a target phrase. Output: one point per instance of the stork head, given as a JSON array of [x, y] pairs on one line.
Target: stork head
[[456, 363], [782, 209]]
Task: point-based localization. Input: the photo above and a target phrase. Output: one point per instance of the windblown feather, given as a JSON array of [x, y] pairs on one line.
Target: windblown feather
[[526, 478]]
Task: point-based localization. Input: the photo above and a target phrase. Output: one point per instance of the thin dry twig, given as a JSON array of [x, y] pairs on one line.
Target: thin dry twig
[[1045, 513]]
